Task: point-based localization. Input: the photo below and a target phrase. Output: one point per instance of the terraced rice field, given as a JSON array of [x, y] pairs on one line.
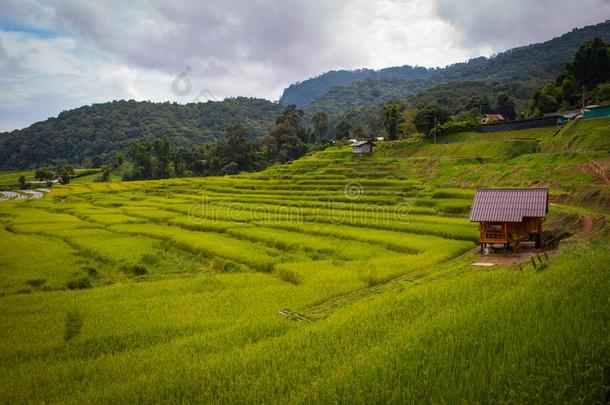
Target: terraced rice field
[[347, 231], [331, 279], [291, 237]]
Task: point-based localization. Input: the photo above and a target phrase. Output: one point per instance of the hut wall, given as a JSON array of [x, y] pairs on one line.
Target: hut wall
[[363, 149], [521, 229]]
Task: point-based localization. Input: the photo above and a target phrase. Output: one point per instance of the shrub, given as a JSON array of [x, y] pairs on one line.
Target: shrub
[[73, 324], [226, 266], [36, 282], [79, 283], [371, 278], [134, 269], [289, 276], [453, 127], [149, 259]]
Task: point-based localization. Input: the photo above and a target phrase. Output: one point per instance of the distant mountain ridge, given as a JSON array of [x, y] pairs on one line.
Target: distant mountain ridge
[[310, 90], [93, 132], [528, 65]]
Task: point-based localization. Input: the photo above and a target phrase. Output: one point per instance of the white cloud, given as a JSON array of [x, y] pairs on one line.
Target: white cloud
[[398, 32]]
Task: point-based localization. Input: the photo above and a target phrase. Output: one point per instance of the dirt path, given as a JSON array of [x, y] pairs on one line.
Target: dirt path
[[599, 171], [510, 259], [449, 268], [589, 223]]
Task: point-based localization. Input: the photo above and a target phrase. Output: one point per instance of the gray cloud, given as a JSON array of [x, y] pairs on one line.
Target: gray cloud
[[290, 36], [102, 50], [500, 25]]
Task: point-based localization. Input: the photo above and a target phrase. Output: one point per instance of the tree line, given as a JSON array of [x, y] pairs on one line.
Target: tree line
[[232, 153], [585, 79]]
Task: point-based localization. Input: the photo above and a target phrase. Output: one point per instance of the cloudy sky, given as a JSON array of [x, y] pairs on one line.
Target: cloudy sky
[[60, 54]]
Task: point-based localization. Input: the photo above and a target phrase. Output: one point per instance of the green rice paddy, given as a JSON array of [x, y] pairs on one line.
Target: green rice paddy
[[332, 279]]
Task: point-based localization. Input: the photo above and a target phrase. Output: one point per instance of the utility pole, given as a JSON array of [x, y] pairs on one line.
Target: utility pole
[[434, 129]]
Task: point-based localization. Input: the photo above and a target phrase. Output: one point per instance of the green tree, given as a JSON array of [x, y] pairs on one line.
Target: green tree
[[480, 104], [591, 64], [63, 173], [22, 183], [602, 93], [426, 119], [358, 132], [117, 160], [283, 143], [286, 141], [343, 129], [140, 154], [506, 106], [320, 125], [233, 148], [391, 121], [588, 69], [104, 175], [568, 91], [161, 156], [544, 101], [485, 105], [230, 168], [44, 174], [292, 116]]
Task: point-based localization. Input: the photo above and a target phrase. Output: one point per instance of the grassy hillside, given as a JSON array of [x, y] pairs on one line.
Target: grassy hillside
[[336, 278], [558, 158]]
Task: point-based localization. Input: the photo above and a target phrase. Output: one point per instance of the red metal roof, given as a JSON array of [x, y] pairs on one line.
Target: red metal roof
[[508, 204], [498, 117]]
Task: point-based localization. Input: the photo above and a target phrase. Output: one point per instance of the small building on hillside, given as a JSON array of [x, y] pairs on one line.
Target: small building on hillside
[[597, 111], [362, 147], [492, 118], [509, 214], [565, 116]]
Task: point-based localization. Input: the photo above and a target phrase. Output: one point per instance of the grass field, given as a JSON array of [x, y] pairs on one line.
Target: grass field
[[170, 290]]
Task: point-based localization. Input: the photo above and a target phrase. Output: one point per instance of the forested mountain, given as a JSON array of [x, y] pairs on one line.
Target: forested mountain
[[526, 67], [310, 90], [90, 134], [454, 97]]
